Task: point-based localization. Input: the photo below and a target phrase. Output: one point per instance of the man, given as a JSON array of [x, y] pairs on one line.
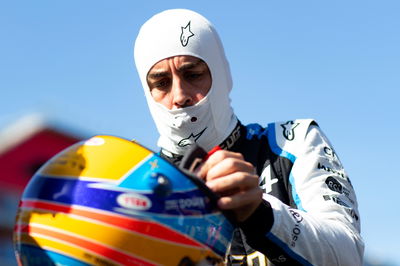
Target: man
[[284, 183]]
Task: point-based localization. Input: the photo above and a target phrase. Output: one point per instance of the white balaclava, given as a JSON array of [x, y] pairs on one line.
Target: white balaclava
[[184, 32]]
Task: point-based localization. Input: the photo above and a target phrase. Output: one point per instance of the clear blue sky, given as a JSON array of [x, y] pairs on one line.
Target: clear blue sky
[[335, 61]]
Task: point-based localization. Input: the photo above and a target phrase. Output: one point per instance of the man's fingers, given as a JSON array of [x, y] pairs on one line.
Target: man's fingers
[[240, 199], [229, 166], [215, 159], [237, 181], [234, 180]]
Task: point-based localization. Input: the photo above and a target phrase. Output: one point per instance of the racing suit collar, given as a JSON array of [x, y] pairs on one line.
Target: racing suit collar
[[230, 143]]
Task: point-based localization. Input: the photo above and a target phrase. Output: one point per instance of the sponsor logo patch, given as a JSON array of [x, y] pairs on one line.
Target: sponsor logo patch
[[183, 204], [337, 200], [353, 214], [335, 185], [134, 201], [331, 155], [296, 231], [231, 139], [331, 170], [288, 130]]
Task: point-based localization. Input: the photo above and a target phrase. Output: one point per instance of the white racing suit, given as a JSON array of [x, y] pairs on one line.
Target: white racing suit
[[309, 212]]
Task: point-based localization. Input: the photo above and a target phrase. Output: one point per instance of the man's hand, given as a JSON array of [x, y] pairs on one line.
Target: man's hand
[[234, 180]]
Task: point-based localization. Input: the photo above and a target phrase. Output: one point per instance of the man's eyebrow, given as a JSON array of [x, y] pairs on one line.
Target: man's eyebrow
[[190, 65], [157, 74]]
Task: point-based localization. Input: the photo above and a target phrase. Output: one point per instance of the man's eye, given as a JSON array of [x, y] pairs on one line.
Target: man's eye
[[161, 84], [194, 75]]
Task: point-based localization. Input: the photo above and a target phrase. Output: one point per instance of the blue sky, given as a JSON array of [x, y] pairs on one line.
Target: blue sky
[[335, 61]]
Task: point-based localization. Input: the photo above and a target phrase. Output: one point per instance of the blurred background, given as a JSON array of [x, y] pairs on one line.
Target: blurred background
[[67, 73]]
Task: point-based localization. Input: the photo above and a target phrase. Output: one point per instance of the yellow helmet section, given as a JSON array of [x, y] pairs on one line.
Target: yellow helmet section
[[101, 157]]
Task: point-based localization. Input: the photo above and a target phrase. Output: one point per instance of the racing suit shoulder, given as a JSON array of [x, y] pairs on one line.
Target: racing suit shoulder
[[287, 137]]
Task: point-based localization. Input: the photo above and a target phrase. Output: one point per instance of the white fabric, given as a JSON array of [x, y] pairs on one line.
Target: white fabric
[[325, 227], [184, 32]]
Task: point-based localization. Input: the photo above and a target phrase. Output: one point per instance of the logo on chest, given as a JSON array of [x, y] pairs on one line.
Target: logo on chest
[[288, 130]]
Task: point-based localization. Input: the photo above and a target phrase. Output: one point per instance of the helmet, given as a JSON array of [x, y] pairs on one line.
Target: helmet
[[111, 201]]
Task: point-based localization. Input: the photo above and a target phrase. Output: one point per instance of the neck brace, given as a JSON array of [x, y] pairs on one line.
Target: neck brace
[[184, 32]]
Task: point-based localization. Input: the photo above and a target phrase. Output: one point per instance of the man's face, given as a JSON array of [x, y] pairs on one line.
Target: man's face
[[179, 81]]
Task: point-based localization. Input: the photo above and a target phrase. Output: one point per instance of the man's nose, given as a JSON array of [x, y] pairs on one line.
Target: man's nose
[[181, 94]]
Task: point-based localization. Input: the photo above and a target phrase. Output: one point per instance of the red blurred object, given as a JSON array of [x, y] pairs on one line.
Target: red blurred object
[[20, 162], [25, 146]]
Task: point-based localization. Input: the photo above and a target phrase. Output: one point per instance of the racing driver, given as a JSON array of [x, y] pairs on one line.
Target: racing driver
[[293, 201]]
